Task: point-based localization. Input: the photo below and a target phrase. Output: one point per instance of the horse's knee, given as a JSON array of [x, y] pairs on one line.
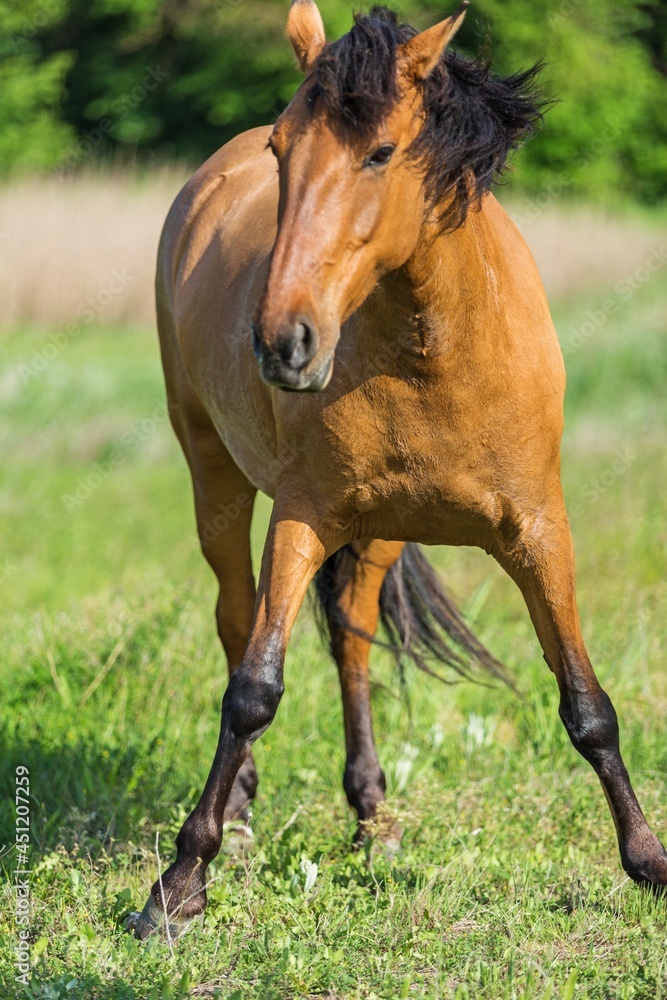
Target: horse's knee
[[250, 703], [591, 724]]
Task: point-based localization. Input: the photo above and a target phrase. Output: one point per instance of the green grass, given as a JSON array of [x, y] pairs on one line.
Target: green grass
[[508, 884]]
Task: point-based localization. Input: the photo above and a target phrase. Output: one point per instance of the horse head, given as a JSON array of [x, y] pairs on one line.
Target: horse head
[[351, 182]]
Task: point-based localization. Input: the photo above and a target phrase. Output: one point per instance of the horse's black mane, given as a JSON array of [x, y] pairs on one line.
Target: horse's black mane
[[472, 122]]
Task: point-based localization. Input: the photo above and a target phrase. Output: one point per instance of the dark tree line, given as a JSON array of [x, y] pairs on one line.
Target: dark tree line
[[142, 81]]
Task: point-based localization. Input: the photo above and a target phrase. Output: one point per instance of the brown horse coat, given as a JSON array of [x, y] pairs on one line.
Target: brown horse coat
[[426, 406], [431, 409]]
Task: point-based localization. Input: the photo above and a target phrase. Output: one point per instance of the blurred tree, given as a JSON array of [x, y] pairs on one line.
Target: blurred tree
[[653, 32], [177, 78], [608, 132], [32, 132]]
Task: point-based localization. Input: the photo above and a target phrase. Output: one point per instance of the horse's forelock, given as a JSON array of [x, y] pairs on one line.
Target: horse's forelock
[[357, 77], [472, 119]]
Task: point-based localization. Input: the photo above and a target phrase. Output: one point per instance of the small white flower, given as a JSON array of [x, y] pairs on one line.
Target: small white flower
[[309, 869]]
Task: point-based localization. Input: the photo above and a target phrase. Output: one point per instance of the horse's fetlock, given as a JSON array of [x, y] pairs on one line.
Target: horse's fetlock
[[365, 785], [644, 858], [182, 888]]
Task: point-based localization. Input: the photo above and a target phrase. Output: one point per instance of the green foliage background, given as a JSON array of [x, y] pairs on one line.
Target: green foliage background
[[133, 80]]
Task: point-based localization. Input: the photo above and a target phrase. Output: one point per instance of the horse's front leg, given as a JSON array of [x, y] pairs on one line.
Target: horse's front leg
[[536, 550], [292, 555]]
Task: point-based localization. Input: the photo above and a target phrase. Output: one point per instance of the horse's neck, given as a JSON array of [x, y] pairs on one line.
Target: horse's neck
[[455, 276], [448, 288]]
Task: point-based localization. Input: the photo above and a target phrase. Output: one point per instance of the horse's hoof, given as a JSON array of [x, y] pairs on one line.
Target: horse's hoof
[[390, 845], [387, 843], [151, 921], [237, 838], [378, 838], [646, 863]]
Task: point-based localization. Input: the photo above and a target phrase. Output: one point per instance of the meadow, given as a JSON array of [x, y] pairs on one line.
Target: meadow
[[508, 884]]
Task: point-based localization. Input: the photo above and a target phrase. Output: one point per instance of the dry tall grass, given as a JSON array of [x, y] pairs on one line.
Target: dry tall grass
[[68, 246], [579, 249], [84, 248]]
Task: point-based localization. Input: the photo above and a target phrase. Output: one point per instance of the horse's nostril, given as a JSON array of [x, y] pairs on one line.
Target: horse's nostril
[[297, 345], [303, 345], [306, 335], [256, 341]]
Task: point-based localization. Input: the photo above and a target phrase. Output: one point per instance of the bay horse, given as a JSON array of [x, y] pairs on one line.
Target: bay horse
[[351, 323]]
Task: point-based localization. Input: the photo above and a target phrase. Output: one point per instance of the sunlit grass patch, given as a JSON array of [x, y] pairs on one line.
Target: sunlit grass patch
[[508, 884]]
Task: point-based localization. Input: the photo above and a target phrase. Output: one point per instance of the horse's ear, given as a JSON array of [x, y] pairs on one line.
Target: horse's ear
[[306, 32], [421, 54]]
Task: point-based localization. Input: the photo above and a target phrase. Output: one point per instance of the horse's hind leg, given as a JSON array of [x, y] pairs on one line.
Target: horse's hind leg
[[537, 553], [350, 587]]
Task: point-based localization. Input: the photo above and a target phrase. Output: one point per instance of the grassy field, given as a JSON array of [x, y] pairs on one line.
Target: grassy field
[[508, 884]]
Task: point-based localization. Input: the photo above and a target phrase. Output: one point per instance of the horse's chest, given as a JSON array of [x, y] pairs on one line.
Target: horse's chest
[[400, 454]]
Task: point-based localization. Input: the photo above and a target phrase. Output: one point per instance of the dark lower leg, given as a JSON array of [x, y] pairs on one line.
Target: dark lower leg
[[586, 710], [234, 617], [244, 789], [353, 615], [225, 542], [292, 554], [592, 725], [363, 778], [249, 705]]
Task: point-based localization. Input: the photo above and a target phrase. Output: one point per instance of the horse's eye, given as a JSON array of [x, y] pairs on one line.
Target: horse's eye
[[271, 146], [380, 156]]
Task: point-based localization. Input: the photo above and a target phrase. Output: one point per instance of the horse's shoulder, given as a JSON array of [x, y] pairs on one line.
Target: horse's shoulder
[[240, 163], [222, 190], [238, 152], [506, 252]]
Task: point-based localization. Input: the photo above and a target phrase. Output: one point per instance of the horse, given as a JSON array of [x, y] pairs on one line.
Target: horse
[[350, 323]]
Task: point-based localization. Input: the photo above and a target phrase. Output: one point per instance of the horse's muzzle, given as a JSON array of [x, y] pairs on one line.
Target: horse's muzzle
[[286, 362]]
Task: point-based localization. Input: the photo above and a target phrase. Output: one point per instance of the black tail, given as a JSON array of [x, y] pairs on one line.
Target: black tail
[[420, 622]]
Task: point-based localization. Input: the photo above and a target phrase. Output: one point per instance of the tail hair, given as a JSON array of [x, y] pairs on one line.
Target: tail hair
[[420, 622]]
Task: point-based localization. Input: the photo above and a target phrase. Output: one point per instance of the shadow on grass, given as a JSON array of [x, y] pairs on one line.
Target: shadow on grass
[[85, 791]]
